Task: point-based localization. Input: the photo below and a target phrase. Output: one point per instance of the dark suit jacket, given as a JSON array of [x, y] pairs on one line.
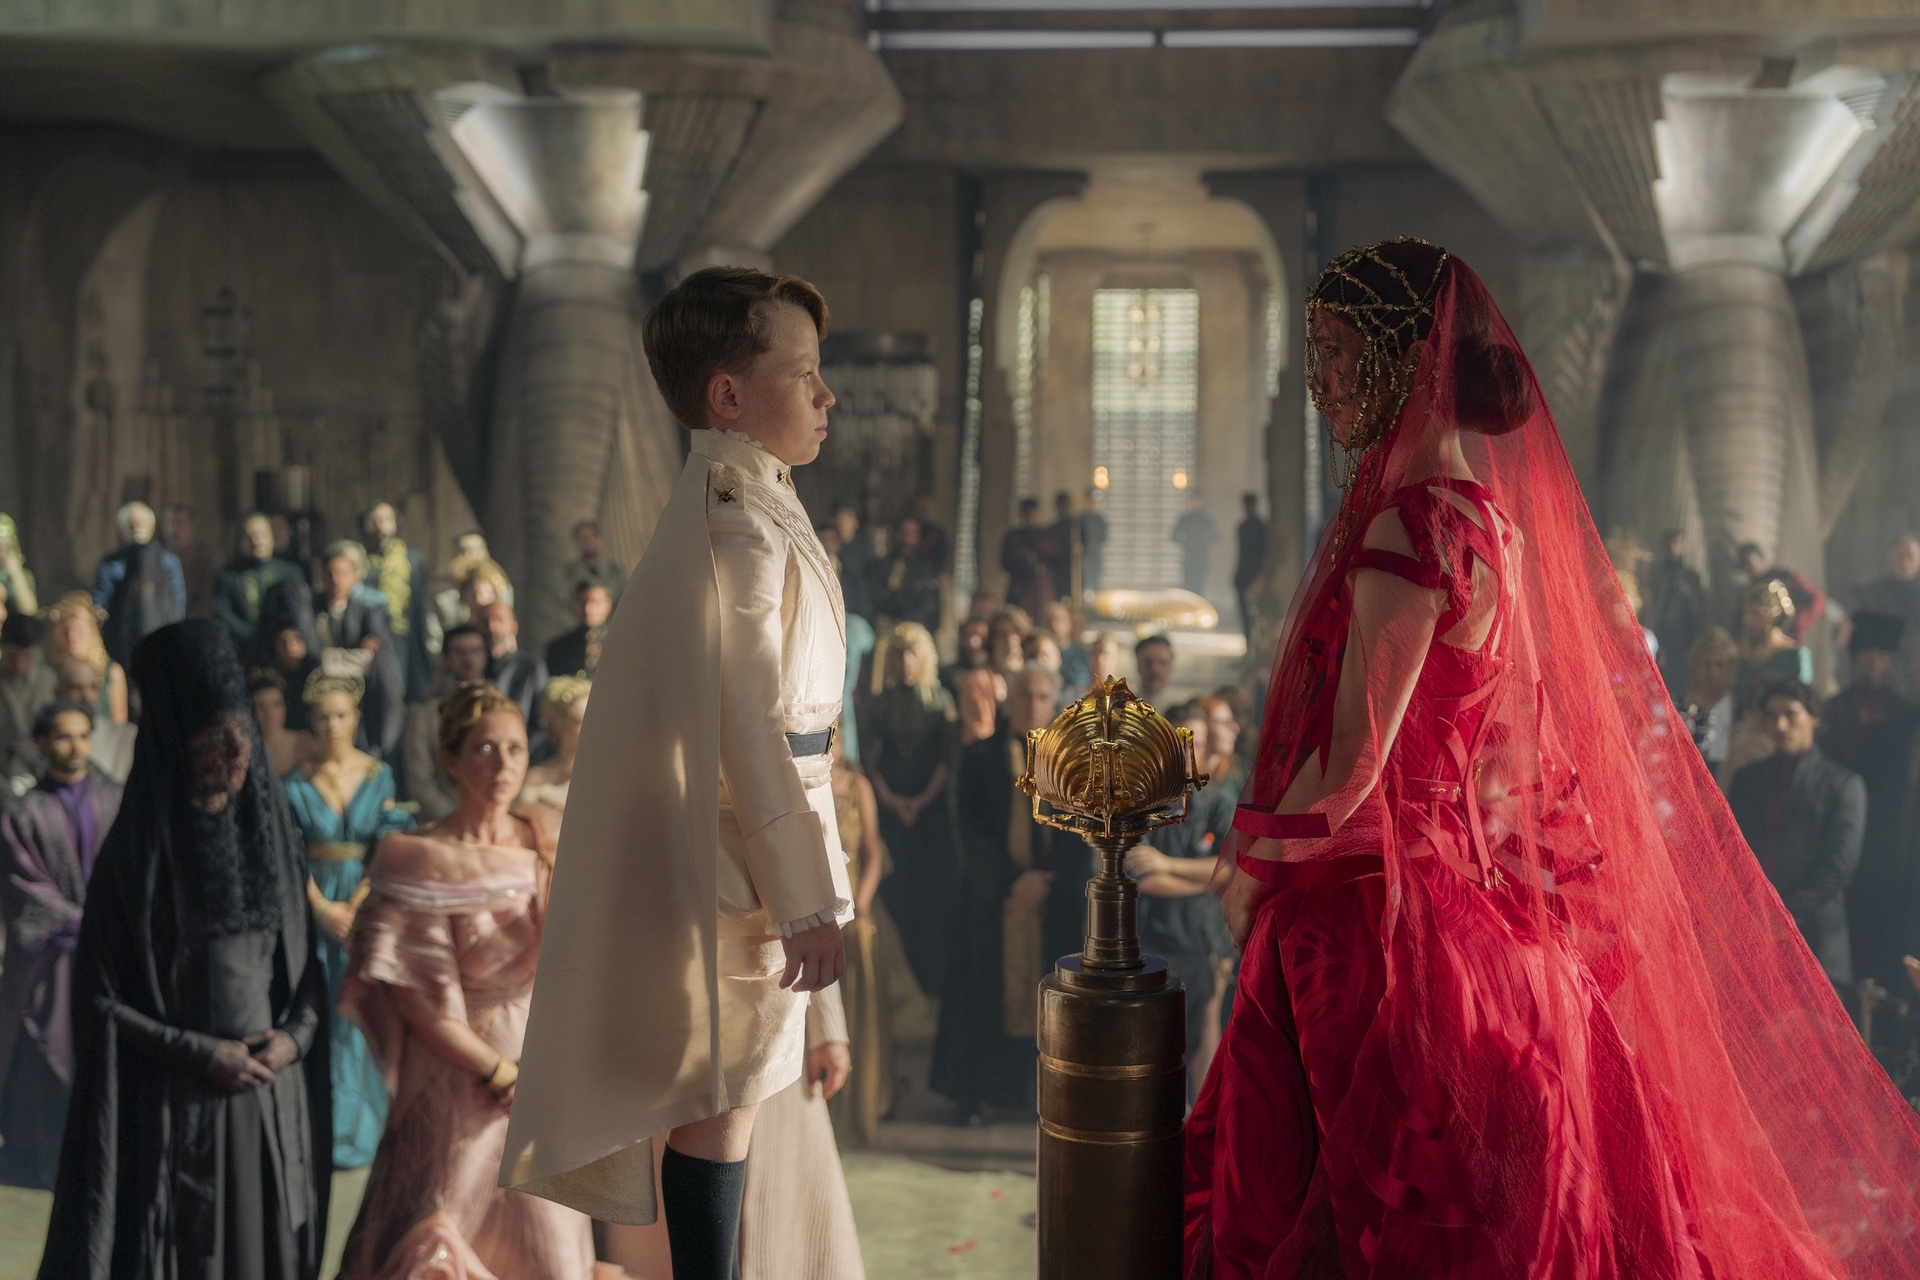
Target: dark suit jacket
[[523, 678], [383, 711], [567, 653], [1812, 857]]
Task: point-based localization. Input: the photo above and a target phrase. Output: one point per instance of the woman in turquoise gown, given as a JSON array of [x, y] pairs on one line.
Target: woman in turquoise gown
[[342, 801]]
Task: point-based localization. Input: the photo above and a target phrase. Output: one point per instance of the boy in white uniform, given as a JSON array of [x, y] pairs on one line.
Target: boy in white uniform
[[700, 884]]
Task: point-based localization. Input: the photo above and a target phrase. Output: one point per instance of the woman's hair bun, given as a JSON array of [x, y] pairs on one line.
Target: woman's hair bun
[[1492, 392]]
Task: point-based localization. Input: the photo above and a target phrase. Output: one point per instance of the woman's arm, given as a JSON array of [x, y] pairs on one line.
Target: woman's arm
[[935, 785], [872, 853], [1392, 629], [451, 1038], [117, 692]]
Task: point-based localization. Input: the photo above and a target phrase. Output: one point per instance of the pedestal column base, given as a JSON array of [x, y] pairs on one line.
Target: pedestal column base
[[1113, 1093]]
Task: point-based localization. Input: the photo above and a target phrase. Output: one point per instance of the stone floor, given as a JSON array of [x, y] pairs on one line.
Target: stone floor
[[918, 1221], [933, 1201]]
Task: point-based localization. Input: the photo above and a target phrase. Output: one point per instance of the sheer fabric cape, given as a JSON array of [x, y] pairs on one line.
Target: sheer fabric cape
[[623, 1039], [1806, 1158]]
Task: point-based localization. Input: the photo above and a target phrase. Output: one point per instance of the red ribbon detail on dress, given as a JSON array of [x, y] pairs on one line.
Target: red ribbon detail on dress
[[1268, 825]]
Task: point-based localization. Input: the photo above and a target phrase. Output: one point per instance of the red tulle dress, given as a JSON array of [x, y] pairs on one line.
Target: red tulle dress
[[1325, 1143], [1533, 1012]]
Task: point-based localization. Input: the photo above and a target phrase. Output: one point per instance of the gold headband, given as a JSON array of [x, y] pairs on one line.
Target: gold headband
[[322, 682]]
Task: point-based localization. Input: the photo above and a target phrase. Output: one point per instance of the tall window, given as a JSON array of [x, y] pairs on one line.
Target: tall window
[[1146, 395]]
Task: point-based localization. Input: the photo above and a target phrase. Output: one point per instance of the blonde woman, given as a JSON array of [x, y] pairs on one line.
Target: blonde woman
[[75, 633], [16, 580], [343, 802], [880, 995], [441, 978], [908, 740], [563, 709]]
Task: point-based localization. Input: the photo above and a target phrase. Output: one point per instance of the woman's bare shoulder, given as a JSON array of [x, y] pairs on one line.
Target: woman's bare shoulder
[[1388, 532]]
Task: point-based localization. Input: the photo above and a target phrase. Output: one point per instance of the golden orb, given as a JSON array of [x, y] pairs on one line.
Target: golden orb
[[1110, 765]]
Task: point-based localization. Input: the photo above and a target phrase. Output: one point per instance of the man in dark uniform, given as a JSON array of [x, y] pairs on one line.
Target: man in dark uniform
[[1805, 817], [1871, 697]]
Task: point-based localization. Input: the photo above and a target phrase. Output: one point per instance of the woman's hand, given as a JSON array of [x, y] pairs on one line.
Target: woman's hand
[[828, 1066], [336, 918], [235, 1069], [1145, 860], [1239, 901]]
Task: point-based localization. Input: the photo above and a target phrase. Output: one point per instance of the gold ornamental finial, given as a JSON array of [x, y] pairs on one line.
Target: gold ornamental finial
[[1110, 765]]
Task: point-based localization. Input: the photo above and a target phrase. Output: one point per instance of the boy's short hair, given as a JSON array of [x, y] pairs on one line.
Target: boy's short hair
[[716, 321]]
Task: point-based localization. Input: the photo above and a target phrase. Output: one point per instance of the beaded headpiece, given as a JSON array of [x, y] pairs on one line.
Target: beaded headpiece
[[1391, 310], [1774, 597]]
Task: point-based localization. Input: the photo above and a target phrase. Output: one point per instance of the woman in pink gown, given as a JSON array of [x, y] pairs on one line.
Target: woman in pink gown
[[440, 974], [1515, 1000]]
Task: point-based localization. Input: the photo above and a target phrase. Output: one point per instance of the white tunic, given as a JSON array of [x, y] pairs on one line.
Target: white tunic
[[692, 837]]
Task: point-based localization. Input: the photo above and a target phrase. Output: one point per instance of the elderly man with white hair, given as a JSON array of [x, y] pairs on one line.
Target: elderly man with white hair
[[138, 562]]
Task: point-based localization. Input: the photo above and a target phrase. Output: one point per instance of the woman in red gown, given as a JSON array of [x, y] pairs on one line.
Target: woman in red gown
[[1515, 999]]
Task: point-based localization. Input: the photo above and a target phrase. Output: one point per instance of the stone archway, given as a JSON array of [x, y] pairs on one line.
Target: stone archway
[[1143, 225]]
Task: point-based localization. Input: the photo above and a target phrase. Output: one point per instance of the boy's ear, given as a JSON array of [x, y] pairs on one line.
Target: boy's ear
[[723, 396]]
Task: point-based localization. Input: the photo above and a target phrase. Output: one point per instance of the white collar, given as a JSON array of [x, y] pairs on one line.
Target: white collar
[[737, 449]]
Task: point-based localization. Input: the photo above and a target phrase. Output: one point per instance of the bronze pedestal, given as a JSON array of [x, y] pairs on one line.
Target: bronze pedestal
[[1112, 1031]]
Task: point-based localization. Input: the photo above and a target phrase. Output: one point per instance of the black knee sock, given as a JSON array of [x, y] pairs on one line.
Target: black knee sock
[[701, 1199]]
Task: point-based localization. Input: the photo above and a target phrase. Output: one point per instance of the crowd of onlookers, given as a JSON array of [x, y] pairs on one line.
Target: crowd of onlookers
[[352, 666], [354, 659], [977, 900], [1806, 712]]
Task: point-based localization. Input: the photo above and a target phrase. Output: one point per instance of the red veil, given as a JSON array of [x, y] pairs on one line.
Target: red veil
[[1800, 1157]]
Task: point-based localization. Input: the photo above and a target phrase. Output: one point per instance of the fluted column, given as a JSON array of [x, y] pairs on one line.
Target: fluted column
[[1739, 374], [1728, 166], [567, 172]]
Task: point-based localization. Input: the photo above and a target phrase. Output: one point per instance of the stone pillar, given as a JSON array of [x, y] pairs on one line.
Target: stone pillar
[[567, 171], [1226, 409], [1729, 164], [1571, 301], [1739, 379], [1063, 429]]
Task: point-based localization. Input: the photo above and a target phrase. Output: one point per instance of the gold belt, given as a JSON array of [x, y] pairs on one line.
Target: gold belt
[[338, 851]]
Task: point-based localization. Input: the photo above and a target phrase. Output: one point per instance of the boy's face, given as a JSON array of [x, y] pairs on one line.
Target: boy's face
[[779, 399]]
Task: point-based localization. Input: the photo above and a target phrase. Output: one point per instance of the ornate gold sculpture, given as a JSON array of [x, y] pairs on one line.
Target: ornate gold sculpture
[[1112, 765], [1112, 1033]]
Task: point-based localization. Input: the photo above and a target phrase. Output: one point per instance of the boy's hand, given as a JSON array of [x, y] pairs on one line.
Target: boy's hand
[[816, 958]]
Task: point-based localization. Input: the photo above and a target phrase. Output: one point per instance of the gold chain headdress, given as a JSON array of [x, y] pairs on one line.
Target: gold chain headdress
[[1773, 596], [1388, 327]]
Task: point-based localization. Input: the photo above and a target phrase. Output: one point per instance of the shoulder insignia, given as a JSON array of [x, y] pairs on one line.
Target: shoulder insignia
[[725, 495]]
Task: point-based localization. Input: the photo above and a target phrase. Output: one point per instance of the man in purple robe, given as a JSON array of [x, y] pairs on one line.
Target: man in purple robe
[[49, 838]]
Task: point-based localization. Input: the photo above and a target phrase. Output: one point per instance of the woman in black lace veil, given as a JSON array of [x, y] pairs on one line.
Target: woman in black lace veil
[[197, 1139]]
